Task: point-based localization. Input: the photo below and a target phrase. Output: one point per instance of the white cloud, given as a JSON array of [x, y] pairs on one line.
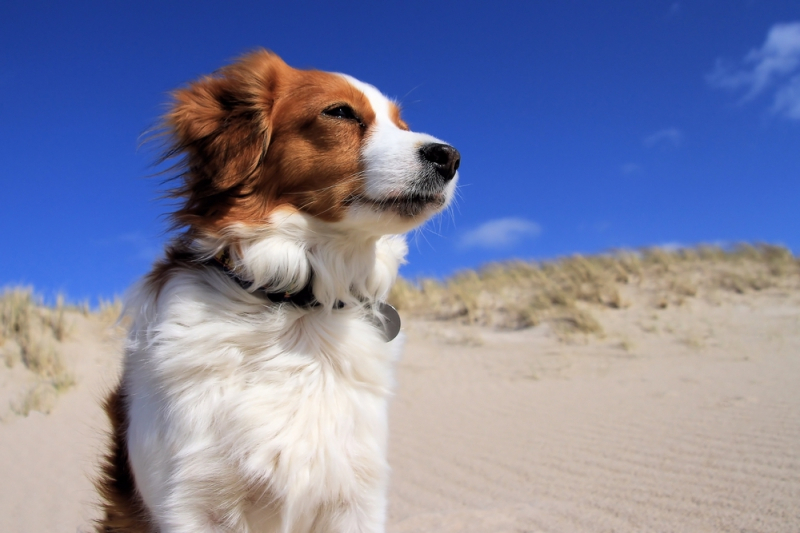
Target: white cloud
[[500, 233], [787, 99], [139, 247], [143, 248], [671, 246], [666, 138], [774, 66], [630, 168]]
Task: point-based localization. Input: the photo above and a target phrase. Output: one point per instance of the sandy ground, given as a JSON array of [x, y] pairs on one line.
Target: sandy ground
[[681, 419]]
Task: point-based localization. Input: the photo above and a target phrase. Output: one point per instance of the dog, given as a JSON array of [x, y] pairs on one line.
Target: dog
[[258, 366]]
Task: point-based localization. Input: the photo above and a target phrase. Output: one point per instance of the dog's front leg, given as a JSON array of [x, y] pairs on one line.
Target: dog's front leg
[[367, 515], [185, 519], [201, 506]]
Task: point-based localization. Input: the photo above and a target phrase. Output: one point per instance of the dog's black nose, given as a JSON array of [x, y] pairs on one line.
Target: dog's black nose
[[444, 158]]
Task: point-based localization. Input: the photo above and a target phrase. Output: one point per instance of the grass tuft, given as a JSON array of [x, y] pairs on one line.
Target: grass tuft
[[517, 294], [110, 310], [31, 333], [40, 397]]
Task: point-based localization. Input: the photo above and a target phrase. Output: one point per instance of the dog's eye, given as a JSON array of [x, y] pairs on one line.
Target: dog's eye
[[342, 111]]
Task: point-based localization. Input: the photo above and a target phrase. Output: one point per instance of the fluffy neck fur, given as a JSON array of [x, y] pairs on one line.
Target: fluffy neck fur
[[348, 265]]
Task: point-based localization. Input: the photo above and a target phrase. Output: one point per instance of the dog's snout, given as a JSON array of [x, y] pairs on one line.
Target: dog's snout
[[444, 158]]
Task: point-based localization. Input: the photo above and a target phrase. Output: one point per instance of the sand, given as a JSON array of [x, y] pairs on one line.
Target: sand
[[678, 419]]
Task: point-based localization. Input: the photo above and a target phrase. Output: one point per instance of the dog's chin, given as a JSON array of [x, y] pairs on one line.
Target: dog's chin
[[410, 207]]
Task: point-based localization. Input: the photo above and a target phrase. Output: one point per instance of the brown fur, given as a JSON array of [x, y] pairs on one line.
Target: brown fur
[[123, 508], [394, 115], [253, 137]]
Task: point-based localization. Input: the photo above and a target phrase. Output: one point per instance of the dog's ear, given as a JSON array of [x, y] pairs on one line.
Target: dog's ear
[[220, 126]]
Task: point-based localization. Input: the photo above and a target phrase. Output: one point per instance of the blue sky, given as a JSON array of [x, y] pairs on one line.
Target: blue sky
[[583, 125]]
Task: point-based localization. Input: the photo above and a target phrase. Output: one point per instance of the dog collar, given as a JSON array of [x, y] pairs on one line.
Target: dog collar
[[388, 319], [302, 298]]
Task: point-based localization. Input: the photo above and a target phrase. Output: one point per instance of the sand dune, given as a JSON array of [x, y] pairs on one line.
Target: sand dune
[[526, 434], [684, 418]]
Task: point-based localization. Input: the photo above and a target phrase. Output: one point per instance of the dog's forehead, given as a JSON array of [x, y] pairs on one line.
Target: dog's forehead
[[379, 103], [386, 110]]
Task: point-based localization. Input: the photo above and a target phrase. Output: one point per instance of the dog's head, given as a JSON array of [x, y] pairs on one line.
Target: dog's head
[[259, 135]]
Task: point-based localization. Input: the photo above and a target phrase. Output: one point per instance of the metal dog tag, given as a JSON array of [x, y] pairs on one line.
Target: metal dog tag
[[390, 324]]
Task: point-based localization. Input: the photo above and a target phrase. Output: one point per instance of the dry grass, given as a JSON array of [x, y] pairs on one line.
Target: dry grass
[[564, 292], [109, 311], [40, 397], [30, 334]]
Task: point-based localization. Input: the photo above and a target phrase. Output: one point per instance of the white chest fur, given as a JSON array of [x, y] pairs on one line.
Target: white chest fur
[[253, 416]]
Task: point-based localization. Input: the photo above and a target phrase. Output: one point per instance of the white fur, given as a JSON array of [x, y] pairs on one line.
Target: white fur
[[393, 165], [246, 416]]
